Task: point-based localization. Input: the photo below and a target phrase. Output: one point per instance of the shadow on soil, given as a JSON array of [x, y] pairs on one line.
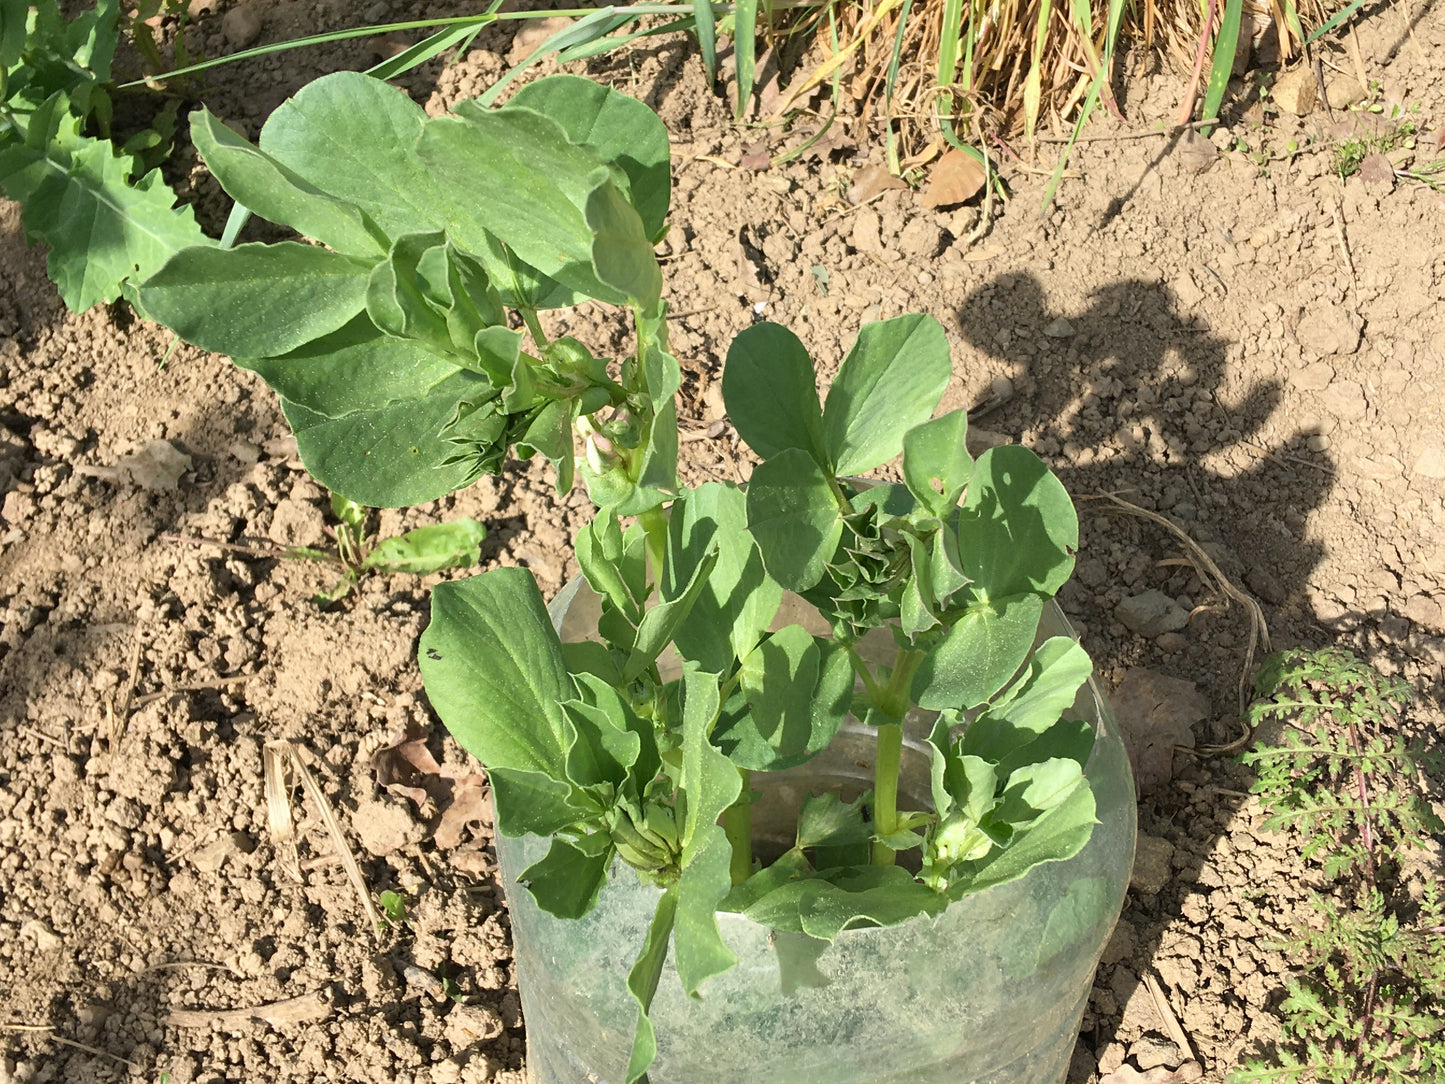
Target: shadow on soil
[[1134, 398]]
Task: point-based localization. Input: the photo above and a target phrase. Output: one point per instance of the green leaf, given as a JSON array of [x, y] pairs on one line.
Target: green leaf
[[794, 516], [105, 227], [492, 667], [545, 200], [622, 741], [615, 566], [566, 881], [827, 821], [390, 457], [457, 544], [352, 136], [960, 781], [771, 394], [642, 984], [710, 783], [982, 650], [263, 185], [739, 600], [13, 16], [1017, 529], [868, 896], [660, 622], [1036, 788], [936, 463], [617, 130], [890, 382], [1058, 835], [1056, 671], [255, 301], [1088, 902], [792, 866], [531, 803], [797, 699]]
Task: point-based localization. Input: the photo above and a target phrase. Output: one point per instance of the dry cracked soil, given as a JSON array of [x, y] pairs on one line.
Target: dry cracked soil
[[1219, 331]]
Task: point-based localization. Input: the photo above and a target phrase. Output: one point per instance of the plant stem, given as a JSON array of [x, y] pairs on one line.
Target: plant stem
[[529, 317], [893, 703], [738, 824], [885, 789]]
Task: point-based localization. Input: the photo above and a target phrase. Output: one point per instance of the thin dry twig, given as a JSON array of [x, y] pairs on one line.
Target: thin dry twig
[[306, 1009], [40, 735], [289, 751], [48, 1030], [1209, 571], [1118, 136], [195, 687], [1171, 1021]]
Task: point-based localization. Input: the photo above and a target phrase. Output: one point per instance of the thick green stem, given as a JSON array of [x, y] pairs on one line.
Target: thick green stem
[[738, 824], [529, 316], [885, 789], [892, 703]]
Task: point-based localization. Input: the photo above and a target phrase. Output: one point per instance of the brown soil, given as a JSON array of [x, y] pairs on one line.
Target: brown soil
[[1258, 353]]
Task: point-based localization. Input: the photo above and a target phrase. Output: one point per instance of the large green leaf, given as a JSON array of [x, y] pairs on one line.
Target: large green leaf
[[512, 173], [793, 515], [762, 739], [739, 599], [618, 130], [389, 457], [642, 984], [263, 185], [660, 623], [771, 393], [357, 368], [936, 463], [566, 881], [890, 382], [256, 300], [1017, 529], [105, 227], [1056, 670], [711, 783], [493, 670], [982, 650], [355, 137], [1057, 835]]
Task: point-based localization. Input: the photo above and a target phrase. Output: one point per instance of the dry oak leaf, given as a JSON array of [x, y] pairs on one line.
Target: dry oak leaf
[[1377, 174], [955, 178], [871, 181]]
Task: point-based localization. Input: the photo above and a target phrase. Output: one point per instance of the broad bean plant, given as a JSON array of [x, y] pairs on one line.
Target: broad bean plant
[[408, 350]]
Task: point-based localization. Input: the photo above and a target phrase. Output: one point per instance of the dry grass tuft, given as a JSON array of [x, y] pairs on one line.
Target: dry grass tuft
[[999, 68]]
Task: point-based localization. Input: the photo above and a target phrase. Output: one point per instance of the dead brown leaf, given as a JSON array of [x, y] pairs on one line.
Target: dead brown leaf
[[756, 156], [870, 182], [407, 769], [1377, 174], [955, 178], [1156, 713]]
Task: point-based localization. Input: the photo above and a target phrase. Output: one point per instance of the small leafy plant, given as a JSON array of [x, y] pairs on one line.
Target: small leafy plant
[[104, 211], [738, 630], [1367, 1003]]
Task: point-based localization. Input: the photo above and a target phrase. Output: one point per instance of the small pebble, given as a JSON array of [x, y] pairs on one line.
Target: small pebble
[[1318, 443], [241, 26]]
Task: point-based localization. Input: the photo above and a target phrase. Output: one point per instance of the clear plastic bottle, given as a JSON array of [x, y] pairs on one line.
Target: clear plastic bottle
[[989, 992]]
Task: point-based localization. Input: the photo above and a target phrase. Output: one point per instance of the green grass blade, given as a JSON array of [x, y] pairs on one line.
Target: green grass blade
[[706, 30], [1090, 102], [598, 24], [1335, 20], [895, 58], [1111, 32], [423, 51], [1225, 45], [617, 41], [950, 31], [745, 47]]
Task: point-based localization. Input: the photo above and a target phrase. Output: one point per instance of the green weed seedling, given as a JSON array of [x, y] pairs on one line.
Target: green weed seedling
[[1367, 1005]]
